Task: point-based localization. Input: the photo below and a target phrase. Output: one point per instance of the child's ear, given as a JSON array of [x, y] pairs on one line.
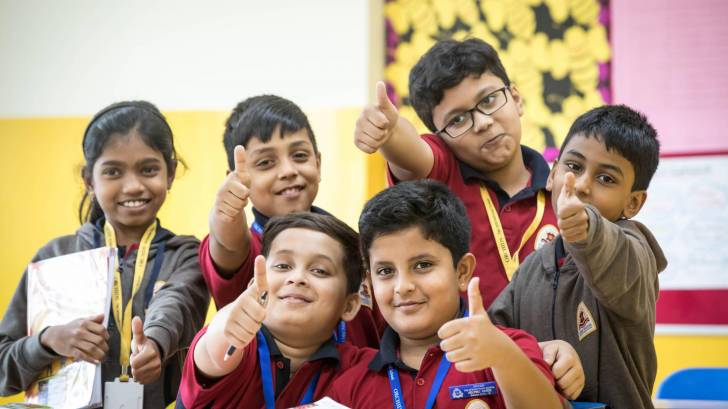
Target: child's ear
[[318, 164], [465, 269], [550, 179], [351, 307], [517, 98], [171, 174], [88, 181], [634, 204]]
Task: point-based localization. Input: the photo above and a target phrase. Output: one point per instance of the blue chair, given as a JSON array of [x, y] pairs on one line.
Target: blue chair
[[695, 383], [587, 405]]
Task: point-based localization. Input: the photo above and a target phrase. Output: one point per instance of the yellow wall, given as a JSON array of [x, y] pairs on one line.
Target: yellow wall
[[40, 162]]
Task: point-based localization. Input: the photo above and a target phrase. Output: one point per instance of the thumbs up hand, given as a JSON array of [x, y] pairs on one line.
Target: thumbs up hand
[[572, 217], [376, 122], [473, 343], [232, 197], [146, 360], [241, 319]]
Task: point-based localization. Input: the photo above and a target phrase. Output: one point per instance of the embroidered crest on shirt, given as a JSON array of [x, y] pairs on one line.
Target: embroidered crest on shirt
[[477, 404], [585, 324], [365, 294], [546, 234]]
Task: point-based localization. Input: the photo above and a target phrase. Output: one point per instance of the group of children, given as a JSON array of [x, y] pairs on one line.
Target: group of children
[[434, 303]]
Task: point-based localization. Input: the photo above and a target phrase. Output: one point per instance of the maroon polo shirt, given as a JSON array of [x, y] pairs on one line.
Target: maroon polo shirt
[[243, 388], [366, 385], [516, 212], [363, 330]]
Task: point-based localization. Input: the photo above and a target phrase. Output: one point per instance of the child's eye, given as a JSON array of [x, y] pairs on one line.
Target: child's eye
[[282, 266], [301, 156], [606, 179], [150, 170], [458, 120], [383, 271], [320, 272], [111, 172], [264, 163], [572, 166], [422, 265]]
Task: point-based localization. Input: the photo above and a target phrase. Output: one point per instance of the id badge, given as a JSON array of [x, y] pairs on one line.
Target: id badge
[[126, 395]]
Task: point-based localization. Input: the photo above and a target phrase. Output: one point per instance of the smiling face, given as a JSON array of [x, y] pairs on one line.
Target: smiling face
[[494, 141], [284, 172], [415, 283], [604, 178], [130, 182], [307, 285]]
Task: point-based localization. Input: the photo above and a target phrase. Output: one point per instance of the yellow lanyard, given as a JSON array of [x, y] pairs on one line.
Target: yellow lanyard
[[124, 322], [510, 261]]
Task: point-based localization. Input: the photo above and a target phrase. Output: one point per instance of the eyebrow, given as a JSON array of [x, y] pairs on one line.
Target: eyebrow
[[268, 149], [314, 256], [144, 161], [482, 94], [607, 166]]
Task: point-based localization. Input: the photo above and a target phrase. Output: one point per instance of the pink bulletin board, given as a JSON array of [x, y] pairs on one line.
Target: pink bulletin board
[[670, 61]]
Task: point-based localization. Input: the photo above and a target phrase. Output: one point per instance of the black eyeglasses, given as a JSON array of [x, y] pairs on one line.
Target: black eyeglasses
[[463, 122]]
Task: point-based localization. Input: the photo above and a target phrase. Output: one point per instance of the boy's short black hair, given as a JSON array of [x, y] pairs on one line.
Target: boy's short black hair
[[444, 66], [425, 204], [624, 131], [259, 117], [328, 225]]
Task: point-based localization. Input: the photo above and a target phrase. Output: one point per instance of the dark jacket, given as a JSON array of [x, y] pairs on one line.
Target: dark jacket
[[172, 316], [601, 300]]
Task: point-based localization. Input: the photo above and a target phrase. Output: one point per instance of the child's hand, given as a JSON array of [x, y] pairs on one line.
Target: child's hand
[[232, 197], [376, 122], [146, 361], [245, 315], [573, 219], [84, 339], [565, 366], [473, 343]]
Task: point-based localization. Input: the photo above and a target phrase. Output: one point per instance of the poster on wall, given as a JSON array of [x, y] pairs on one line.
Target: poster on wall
[[687, 210]]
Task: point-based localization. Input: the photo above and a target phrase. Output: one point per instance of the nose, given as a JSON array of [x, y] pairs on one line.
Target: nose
[[582, 185], [404, 284], [132, 185], [287, 169], [481, 121], [297, 276]]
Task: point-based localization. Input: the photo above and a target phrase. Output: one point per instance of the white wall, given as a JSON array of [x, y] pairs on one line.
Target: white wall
[[72, 57]]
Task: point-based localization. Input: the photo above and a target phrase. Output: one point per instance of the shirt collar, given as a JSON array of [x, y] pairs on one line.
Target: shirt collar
[[389, 348], [534, 162], [262, 219], [327, 350]]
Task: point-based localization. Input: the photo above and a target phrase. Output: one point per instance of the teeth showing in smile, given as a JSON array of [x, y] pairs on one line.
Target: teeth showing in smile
[[291, 190], [134, 203]]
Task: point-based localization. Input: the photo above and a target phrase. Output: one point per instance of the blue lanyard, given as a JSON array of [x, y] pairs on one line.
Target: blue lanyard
[[398, 399], [340, 332], [257, 227], [266, 375], [396, 387]]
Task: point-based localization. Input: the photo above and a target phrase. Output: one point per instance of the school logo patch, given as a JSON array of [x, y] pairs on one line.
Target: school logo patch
[[365, 294], [545, 235], [477, 404], [585, 323]]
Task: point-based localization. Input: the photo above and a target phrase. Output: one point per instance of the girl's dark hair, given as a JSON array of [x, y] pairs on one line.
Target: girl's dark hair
[[259, 117], [328, 225], [117, 120]]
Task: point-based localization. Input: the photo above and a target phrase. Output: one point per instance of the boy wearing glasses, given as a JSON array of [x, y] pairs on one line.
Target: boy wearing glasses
[[462, 93]]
